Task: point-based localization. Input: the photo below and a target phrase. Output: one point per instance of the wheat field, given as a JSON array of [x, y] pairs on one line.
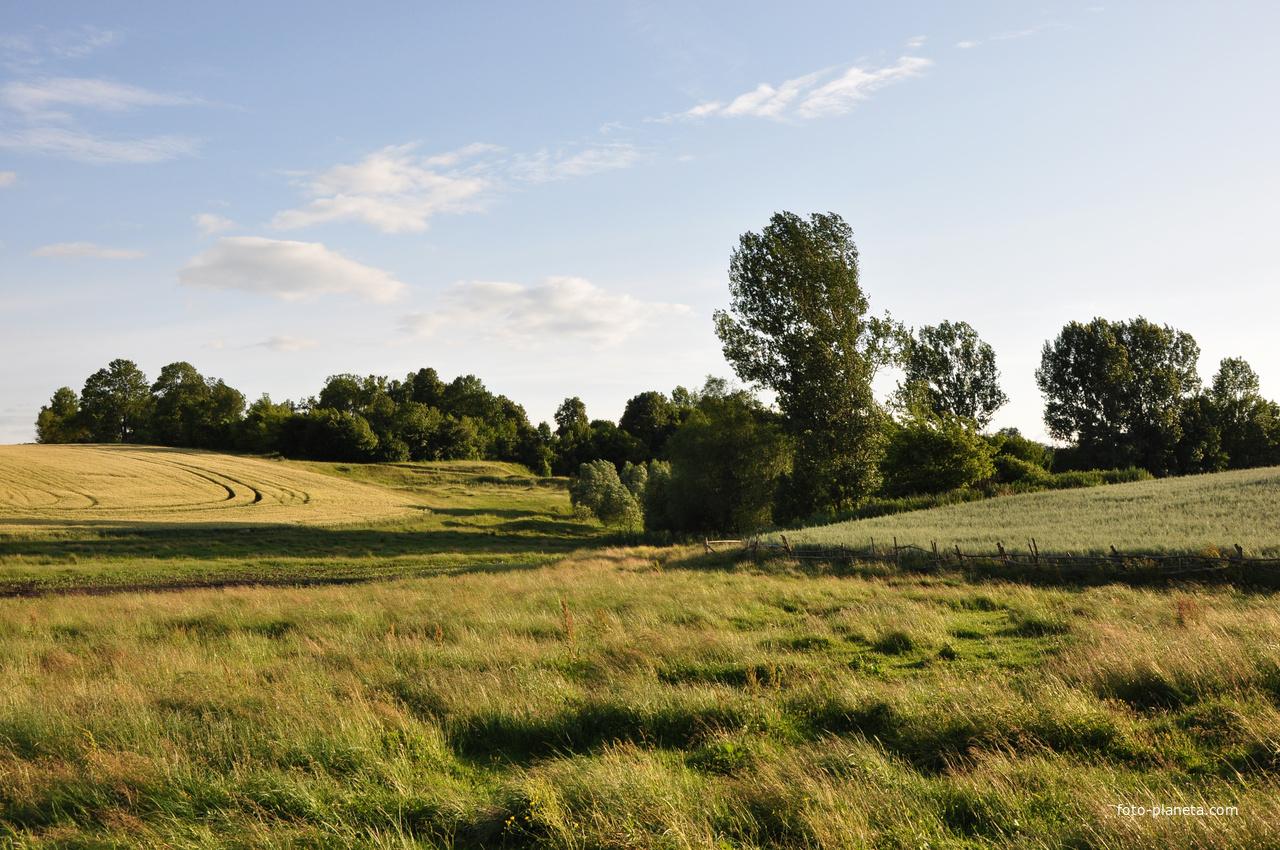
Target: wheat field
[[57, 485], [1174, 515]]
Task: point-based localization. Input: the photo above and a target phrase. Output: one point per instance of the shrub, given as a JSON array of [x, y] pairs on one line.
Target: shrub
[[933, 453], [597, 490]]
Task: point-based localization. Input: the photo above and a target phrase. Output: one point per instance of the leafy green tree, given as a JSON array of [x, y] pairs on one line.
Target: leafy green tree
[[727, 463], [1010, 442], [933, 453], [116, 404], [59, 421], [418, 426], [1249, 424], [954, 371], [1115, 389], [192, 411], [597, 490], [262, 429], [1199, 448], [651, 418], [798, 325], [337, 435], [351, 393]]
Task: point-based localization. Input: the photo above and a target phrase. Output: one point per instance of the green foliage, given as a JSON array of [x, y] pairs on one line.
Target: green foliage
[[598, 491], [261, 430], [338, 435], [1009, 441], [191, 411], [116, 404], [59, 421], [954, 370], [727, 462], [1248, 425], [1115, 389], [651, 418], [798, 325], [932, 453]]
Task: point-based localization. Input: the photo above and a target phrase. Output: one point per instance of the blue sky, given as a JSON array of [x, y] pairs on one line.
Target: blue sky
[[547, 195]]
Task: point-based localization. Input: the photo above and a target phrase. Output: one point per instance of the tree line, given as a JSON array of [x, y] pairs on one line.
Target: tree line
[[1119, 393]]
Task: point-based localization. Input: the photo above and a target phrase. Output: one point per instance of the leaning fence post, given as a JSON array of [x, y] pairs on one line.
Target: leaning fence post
[[786, 544], [1035, 551], [896, 558], [959, 554]]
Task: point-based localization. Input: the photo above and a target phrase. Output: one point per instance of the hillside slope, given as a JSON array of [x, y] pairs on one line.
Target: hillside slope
[[1166, 515], [110, 484]]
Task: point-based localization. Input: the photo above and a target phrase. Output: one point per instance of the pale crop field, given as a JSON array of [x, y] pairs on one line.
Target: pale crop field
[[44, 487], [1173, 515]]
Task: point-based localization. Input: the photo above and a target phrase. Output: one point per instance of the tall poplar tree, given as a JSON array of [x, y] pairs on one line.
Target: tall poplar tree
[[798, 325]]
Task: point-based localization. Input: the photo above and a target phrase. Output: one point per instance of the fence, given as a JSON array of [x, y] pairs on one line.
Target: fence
[[1116, 564]]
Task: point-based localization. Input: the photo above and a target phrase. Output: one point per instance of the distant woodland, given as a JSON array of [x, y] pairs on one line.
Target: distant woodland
[[1123, 395]]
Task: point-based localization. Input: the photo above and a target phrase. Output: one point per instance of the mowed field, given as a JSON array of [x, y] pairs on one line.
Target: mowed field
[[99, 518], [106, 485], [1173, 515]]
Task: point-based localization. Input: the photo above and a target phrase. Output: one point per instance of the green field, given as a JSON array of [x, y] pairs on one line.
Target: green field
[[518, 679], [1172, 515]]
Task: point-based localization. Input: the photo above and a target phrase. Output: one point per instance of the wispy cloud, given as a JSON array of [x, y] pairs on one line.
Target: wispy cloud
[[285, 342], [1006, 36], [86, 249], [291, 271], [808, 96], [555, 309], [33, 49], [210, 224], [7, 178], [40, 118], [86, 147], [396, 190], [39, 95], [544, 166]]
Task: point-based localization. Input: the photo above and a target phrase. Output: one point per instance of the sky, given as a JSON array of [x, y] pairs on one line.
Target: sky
[[547, 195]]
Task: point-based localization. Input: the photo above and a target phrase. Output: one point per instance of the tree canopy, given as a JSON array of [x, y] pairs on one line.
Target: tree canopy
[[798, 325], [953, 371], [1116, 388]]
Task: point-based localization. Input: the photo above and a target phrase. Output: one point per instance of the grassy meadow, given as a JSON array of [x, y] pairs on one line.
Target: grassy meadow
[[516, 679], [1173, 515]]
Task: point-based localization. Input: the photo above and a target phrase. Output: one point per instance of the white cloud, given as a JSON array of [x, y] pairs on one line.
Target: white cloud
[[41, 121], [38, 95], [544, 166], [86, 249], [7, 178], [838, 96], [391, 190], [291, 271], [210, 223], [396, 191], [285, 342], [555, 309], [803, 97], [84, 147], [24, 52], [1005, 36]]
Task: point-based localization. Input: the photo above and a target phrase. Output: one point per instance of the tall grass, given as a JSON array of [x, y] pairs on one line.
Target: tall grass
[[639, 697]]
